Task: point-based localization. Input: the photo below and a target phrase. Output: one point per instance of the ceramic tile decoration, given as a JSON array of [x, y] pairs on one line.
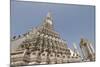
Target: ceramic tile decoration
[[51, 33]]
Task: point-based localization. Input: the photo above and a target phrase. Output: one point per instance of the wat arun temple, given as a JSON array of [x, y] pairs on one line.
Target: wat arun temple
[[43, 45]]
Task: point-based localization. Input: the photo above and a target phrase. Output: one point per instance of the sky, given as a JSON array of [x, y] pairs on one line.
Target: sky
[[71, 21]]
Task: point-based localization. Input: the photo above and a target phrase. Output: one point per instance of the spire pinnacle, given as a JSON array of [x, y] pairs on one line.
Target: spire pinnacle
[[49, 18], [48, 22], [49, 14]]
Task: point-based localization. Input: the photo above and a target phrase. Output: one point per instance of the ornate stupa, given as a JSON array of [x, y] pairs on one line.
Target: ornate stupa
[[87, 50], [41, 45]]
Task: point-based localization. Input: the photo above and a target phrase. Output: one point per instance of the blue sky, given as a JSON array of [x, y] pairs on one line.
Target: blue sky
[[71, 21]]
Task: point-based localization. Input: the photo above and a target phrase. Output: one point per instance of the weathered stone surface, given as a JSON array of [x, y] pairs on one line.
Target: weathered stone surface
[[42, 45]]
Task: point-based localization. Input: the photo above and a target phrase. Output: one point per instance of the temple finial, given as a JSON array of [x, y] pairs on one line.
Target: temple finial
[[49, 14], [49, 18]]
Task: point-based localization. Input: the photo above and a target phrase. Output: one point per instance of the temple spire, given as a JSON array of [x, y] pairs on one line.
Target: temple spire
[[49, 18], [48, 21], [49, 15]]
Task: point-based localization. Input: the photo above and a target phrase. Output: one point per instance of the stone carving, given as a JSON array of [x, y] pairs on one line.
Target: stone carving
[[42, 45]]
